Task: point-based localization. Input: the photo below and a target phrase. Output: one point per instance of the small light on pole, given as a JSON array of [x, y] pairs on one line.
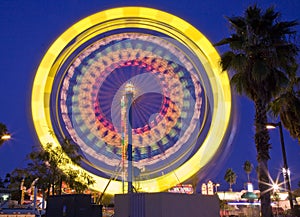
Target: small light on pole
[[275, 187], [216, 186], [285, 165], [129, 88], [270, 126], [6, 136]]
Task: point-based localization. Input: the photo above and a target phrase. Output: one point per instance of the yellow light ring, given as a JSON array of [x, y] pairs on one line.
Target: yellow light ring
[[137, 17]]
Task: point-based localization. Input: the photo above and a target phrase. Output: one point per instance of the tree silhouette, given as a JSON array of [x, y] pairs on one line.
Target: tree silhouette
[[248, 169], [230, 178], [262, 52], [46, 165]]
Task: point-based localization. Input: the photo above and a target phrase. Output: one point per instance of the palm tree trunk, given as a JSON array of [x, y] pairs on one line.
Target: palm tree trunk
[[60, 185], [48, 189], [262, 146], [53, 182]]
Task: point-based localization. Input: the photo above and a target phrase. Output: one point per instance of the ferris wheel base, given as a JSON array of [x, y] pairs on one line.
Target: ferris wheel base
[[166, 205]]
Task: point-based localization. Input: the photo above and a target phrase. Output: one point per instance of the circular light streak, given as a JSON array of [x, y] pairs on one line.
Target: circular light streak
[[70, 89]]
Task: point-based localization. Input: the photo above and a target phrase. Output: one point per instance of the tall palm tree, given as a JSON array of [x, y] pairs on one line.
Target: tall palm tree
[[230, 177], [261, 49], [248, 168]]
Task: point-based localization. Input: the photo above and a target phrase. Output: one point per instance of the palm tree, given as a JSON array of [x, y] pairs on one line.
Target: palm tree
[[230, 177], [287, 105], [248, 168], [261, 50]]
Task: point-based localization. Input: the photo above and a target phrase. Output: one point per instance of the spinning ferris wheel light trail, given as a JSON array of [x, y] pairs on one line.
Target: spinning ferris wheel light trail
[[182, 100]]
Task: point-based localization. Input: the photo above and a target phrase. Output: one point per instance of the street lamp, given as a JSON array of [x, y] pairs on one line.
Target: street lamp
[[5, 136], [285, 165], [275, 187], [216, 186]]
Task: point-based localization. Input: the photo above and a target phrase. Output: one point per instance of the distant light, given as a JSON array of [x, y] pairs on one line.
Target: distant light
[[286, 171], [5, 197], [5, 136], [129, 88], [275, 187], [204, 189], [250, 187], [270, 126]]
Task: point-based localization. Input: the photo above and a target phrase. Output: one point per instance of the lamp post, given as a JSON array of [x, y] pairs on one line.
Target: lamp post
[[216, 186], [285, 165]]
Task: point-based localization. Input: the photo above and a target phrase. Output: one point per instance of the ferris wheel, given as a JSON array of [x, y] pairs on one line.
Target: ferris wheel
[[180, 106]]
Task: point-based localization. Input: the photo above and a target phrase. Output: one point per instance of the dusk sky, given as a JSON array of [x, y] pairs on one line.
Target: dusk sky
[[28, 28]]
